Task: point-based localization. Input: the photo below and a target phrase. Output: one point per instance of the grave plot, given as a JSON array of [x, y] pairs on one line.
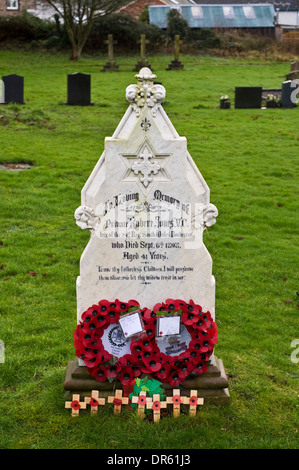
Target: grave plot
[[146, 292]]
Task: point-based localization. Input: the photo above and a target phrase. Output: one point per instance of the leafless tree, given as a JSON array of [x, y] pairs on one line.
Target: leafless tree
[[78, 17]]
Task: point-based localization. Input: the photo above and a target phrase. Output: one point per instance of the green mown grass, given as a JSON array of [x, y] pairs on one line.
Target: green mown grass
[[249, 159]]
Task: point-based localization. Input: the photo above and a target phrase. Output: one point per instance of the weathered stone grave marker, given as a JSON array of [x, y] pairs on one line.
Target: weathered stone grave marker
[[146, 206], [294, 73], [78, 89], [13, 89], [176, 64], [110, 65], [248, 97], [143, 61]]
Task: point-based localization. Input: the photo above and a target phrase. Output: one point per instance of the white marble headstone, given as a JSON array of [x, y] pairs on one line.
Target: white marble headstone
[[146, 205]]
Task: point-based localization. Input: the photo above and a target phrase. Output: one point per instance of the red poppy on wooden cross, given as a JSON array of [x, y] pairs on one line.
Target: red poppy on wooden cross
[[141, 400], [94, 401], [76, 405], [155, 404], [193, 401], [176, 401], [118, 400]]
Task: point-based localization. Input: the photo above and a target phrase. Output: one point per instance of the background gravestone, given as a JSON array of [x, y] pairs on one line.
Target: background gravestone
[[146, 206], [288, 94], [13, 89], [143, 61], [78, 89], [294, 73], [176, 64], [2, 92], [248, 97], [110, 64]]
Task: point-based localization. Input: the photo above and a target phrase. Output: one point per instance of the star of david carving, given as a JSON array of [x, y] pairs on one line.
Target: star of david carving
[[146, 167]]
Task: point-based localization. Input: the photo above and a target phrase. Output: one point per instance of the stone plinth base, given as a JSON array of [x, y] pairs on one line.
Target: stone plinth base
[[294, 75], [110, 67], [175, 65], [141, 64], [211, 385]]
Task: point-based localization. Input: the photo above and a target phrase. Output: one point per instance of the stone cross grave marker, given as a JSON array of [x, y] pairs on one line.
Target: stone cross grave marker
[[142, 62], [110, 65], [146, 206], [176, 64]]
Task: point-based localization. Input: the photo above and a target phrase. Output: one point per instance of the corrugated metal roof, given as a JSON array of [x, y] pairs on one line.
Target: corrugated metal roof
[[283, 5], [218, 16]]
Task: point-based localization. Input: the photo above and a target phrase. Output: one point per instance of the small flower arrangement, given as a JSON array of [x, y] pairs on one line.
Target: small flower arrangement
[[273, 101], [225, 102]]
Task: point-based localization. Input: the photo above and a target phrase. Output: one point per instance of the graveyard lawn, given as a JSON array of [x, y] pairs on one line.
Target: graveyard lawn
[[249, 159]]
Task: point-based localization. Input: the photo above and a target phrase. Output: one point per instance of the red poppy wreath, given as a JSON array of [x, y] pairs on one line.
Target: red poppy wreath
[[108, 355]]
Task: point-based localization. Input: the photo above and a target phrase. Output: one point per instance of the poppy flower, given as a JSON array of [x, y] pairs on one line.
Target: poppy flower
[[126, 376], [75, 405], [148, 315], [100, 320], [194, 308], [88, 336], [136, 370], [121, 306], [150, 331], [176, 399], [207, 345], [189, 318], [159, 307], [90, 314], [193, 400], [103, 306], [89, 328], [93, 402], [113, 370], [163, 373], [99, 373], [141, 400], [185, 369], [200, 324], [142, 345], [207, 319], [132, 303], [175, 304], [152, 363], [195, 344], [92, 360], [199, 366], [117, 401], [213, 333], [156, 406], [126, 360], [112, 315], [174, 378]]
